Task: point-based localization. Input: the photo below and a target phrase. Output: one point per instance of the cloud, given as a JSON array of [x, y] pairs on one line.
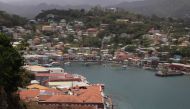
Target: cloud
[[66, 2]]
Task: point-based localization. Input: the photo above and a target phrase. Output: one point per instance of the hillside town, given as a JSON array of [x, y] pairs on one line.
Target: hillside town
[[49, 43]]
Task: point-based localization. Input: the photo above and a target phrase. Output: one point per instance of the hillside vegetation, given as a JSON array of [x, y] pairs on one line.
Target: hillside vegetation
[[162, 8], [123, 32], [11, 20]]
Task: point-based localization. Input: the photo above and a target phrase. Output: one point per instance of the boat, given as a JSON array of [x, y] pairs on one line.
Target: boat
[[116, 64], [170, 69], [124, 66], [147, 67], [104, 65], [67, 63], [55, 64], [47, 65], [86, 64], [173, 73]]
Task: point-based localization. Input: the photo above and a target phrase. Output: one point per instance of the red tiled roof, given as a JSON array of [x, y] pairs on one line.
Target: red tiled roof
[[44, 97], [92, 30], [28, 95], [55, 91], [92, 94], [63, 106], [49, 75], [62, 79]]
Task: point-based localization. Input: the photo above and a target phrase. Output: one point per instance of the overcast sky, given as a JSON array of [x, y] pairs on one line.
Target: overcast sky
[[65, 2], [52, 0]]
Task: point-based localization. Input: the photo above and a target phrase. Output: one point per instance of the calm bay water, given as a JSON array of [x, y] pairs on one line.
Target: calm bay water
[[135, 88]]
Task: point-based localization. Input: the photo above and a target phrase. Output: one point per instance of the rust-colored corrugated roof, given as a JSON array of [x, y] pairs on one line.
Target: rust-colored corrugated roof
[[49, 75], [90, 94], [32, 94], [44, 97], [92, 30], [34, 105], [62, 79], [28, 95]]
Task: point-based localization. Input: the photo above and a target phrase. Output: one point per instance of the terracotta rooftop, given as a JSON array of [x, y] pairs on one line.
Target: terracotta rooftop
[[29, 95], [62, 79], [49, 75], [90, 94], [92, 30], [32, 95], [44, 97], [34, 105]]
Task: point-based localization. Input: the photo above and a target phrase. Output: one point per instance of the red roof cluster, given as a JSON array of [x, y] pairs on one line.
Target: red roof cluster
[[90, 94], [49, 74], [33, 94]]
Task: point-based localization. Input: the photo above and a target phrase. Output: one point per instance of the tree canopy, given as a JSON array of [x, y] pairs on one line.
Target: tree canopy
[[11, 20], [11, 61]]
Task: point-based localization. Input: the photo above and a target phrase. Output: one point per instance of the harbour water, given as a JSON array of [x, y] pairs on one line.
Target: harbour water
[[134, 88]]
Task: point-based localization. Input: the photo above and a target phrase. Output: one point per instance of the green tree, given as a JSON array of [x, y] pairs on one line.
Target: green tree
[[145, 42], [11, 75], [130, 48], [10, 61], [23, 45], [91, 42]]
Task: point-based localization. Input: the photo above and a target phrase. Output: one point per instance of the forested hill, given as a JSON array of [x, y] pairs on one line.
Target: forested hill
[[136, 25], [163, 8], [11, 20], [91, 18]]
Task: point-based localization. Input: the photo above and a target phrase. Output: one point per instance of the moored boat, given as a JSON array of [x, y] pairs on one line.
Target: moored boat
[[67, 63], [161, 74], [124, 66], [170, 69]]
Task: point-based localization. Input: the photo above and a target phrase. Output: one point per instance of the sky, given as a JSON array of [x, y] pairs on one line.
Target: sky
[[51, 0], [65, 1]]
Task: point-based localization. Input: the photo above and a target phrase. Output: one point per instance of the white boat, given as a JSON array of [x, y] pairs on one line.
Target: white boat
[[147, 67], [67, 63], [86, 63], [55, 64], [124, 66]]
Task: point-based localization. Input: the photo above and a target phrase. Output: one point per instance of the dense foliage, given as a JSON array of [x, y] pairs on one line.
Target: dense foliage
[[12, 75], [165, 8], [11, 20], [11, 61], [117, 33]]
